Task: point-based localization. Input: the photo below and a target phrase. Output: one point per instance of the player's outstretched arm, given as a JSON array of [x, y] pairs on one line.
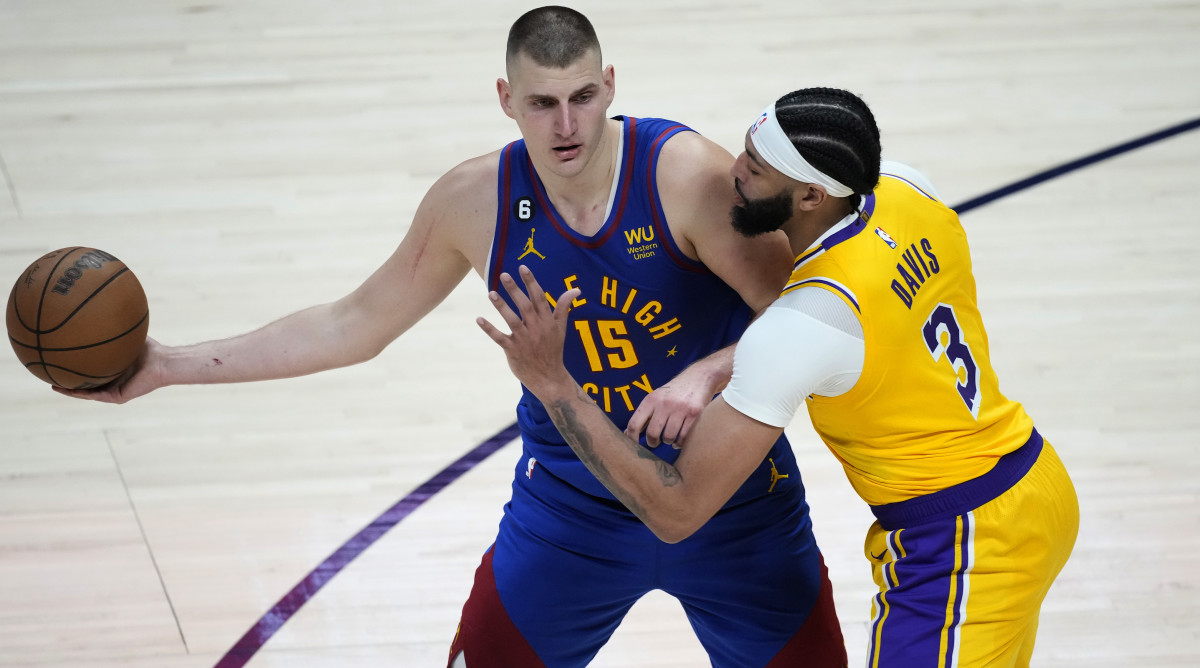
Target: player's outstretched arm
[[673, 501], [429, 262]]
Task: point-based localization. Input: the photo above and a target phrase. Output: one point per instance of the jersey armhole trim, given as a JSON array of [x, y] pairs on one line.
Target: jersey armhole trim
[[828, 284], [660, 216], [500, 232]]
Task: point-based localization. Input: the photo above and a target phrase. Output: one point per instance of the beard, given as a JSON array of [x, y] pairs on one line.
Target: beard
[[760, 216]]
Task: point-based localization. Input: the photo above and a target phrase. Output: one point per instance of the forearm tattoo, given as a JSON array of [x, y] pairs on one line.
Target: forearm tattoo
[[569, 424]]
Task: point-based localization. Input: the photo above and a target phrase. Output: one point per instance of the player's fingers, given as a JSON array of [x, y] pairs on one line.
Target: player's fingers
[[76, 394], [533, 288], [684, 431], [517, 295], [637, 421], [654, 430], [494, 334], [512, 319], [564, 303], [105, 396], [670, 431]]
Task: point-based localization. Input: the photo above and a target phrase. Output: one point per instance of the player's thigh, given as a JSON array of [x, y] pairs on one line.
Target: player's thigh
[[752, 582], [565, 570], [966, 591], [1023, 539]]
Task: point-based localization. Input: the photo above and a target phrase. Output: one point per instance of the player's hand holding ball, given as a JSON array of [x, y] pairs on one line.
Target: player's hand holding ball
[[77, 318]]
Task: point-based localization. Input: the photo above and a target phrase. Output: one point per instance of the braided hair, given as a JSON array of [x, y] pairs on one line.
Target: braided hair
[[835, 131]]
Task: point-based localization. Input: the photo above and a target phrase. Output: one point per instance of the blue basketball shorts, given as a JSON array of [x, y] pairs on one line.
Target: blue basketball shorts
[[567, 566]]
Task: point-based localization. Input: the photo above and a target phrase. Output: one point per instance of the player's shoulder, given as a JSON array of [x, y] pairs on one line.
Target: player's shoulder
[[914, 177], [695, 170], [472, 173], [471, 184], [461, 203], [692, 151]]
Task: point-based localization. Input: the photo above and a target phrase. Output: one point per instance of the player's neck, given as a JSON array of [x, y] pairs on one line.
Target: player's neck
[[806, 227], [582, 199]]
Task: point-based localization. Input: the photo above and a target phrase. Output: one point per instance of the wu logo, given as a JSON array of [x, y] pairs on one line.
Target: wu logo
[[642, 235]]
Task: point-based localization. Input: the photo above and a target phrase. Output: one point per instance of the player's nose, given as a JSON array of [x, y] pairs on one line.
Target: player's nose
[[566, 120], [738, 170]]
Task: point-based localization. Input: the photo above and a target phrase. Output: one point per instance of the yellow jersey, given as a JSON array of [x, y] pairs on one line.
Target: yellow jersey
[[927, 412]]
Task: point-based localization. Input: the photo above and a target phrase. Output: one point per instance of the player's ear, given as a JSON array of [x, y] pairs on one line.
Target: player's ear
[[809, 196], [610, 84], [504, 91]]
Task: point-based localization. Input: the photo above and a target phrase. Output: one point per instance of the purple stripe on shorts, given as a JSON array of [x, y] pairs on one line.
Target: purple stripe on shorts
[[918, 597]]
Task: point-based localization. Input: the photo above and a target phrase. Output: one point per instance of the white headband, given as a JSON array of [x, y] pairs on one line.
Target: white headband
[[774, 146]]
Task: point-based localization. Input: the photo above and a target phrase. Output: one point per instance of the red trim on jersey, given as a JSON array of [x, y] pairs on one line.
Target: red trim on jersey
[[486, 634], [622, 197], [505, 210], [819, 643]]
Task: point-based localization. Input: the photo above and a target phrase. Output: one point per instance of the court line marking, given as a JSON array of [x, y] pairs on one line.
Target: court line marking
[[277, 616], [274, 619]]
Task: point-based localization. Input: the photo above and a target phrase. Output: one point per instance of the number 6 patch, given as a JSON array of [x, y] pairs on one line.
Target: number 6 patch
[[943, 336], [523, 209]]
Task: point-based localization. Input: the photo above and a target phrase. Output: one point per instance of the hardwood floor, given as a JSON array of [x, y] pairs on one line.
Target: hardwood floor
[[248, 158]]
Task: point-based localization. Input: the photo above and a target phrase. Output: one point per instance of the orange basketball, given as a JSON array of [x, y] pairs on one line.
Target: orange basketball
[[77, 317]]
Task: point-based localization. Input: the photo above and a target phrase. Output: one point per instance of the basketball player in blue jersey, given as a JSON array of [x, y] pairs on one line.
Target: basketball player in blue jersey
[[878, 332], [633, 212]]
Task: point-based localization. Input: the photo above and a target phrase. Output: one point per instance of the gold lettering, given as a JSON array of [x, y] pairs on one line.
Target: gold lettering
[[624, 392], [644, 384], [608, 293], [666, 328], [646, 315], [570, 283], [629, 300]]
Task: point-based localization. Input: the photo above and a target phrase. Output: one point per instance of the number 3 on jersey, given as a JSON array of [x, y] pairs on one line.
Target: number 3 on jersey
[[943, 336]]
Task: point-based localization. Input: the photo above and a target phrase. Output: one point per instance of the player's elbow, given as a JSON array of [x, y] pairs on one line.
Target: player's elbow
[[355, 332], [676, 526]]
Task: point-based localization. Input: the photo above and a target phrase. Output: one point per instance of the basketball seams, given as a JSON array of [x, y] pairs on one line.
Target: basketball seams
[[56, 352], [83, 303], [108, 376], [41, 301], [83, 347]]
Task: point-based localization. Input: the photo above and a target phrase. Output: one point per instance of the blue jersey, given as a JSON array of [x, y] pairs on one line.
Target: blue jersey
[[646, 310]]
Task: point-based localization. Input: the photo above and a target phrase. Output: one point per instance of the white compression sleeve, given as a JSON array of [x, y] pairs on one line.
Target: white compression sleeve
[[807, 342]]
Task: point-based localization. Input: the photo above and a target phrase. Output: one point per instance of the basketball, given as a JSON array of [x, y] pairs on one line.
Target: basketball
[[77, 317]]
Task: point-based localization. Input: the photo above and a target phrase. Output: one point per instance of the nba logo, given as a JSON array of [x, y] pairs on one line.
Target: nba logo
[[885, 236], [529, 468], [761, 119]]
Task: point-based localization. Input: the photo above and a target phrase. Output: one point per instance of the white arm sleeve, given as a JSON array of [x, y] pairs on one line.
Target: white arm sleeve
[[807, 342]]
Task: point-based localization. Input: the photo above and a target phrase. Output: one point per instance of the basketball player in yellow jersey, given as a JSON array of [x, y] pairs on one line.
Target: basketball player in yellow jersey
[[878, 330]]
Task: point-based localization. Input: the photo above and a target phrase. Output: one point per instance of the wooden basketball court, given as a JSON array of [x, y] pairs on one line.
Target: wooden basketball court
[[248, 158]]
